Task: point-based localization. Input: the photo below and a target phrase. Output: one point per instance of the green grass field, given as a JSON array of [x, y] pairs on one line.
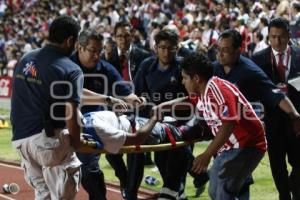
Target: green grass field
[[263, 189]]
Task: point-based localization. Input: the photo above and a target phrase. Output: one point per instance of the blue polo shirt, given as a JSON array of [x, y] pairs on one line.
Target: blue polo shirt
[[251, 81], [159, 85], [43, 80], [102, 79]]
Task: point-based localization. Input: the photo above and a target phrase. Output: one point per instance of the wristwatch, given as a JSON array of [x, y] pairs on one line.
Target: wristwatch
[[108, 100], [295, 118]]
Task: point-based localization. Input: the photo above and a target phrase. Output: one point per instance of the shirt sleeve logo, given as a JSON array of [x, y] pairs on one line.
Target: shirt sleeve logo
[[225, 112], [173, 80], [30, 69]]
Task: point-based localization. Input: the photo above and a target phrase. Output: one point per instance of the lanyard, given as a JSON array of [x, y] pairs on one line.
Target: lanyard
[[273, 62]]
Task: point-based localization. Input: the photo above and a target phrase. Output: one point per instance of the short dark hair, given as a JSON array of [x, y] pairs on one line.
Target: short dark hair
[[279, 22], [234, 34], [89, 34], [210, 23], [63, 27], [260, 36], [264, 21], [122, 24], [111, 42], [296, 6], [197, 64], [166, 35]]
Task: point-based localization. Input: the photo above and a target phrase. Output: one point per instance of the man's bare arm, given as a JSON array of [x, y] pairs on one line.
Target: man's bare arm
[[175, 102], [72, 121], [140, 136], [92, 98], [201, 162]]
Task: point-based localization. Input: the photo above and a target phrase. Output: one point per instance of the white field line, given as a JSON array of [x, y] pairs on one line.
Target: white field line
[[20, 168], [11, 166], [5, 197]]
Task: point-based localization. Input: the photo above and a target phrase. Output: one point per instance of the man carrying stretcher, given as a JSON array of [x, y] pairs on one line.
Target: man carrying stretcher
[[111, 132]]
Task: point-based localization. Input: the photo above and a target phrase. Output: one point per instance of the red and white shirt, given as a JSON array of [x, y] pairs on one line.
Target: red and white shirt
[[221, 102]]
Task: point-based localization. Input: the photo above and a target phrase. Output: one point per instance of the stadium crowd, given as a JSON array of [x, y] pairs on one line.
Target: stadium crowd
[[24, 24]]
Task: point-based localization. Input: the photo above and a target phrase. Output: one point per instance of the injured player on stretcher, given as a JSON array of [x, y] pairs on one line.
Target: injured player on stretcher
[[111, 131]]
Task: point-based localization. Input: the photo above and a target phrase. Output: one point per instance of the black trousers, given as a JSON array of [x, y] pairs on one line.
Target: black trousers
[[118, 164], [172, 165], [283, 145], [130, 177], [92, 177]]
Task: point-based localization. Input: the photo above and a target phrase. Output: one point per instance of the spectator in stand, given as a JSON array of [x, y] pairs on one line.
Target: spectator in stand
[[194, 41], [295, 22], [283, 9], [15, 56], [254, 21], [36, 16], [3, 61], [263, 28], [209, 39], [260, 43], [3, 7], [244, 11], [110, 52]]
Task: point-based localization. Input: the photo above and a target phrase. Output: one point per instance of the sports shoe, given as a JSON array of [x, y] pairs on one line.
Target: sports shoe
[[123, 193], [200, 190], [167, 194]]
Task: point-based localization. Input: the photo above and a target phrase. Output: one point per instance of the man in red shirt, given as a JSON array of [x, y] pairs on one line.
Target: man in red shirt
[[239, 137]]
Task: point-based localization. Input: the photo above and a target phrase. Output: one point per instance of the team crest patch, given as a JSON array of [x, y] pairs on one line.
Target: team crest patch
[[173, 80], [30, 69]]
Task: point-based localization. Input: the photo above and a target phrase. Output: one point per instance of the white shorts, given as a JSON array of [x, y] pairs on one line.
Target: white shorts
[[50, 165]]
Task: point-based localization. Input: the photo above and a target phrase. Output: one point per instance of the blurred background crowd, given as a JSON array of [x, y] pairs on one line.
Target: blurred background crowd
[[24, 23]]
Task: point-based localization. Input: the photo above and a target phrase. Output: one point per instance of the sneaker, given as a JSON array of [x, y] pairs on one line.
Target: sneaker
[[200, 181], [181, 194], [199, 190], [167, 194], [123, 193]]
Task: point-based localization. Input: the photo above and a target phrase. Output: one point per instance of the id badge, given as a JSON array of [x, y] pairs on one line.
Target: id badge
[[283, 88]]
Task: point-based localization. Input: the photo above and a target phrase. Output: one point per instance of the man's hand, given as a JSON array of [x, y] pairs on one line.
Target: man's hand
[[90, 141], [157, 114], [134, 100], [117, 104], [200, 163], [142, 101]]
